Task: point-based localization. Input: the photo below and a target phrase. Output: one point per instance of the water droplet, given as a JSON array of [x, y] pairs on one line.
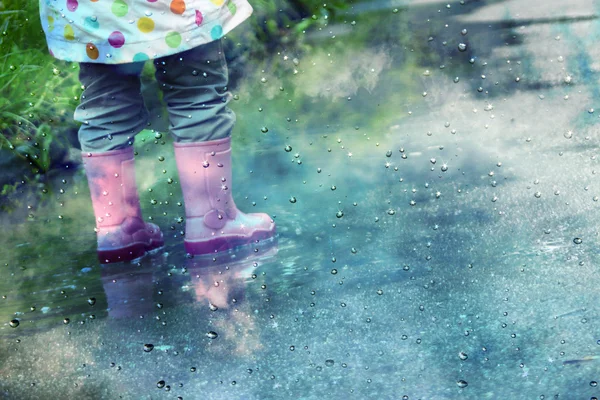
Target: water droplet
[[388, 153], [91, 301], [537, 195], [14, 323], [463, 32], [339, 214], [462, 47], [329, 363], [211, 335], [212, 307], [161, 158], [577, 240], [160, 384], [264, 129], [379, 292], [462, 355], [391, 212], [462, 384], [148, 347], [288, 148], [292, 199], [334, 271], [568, 134]]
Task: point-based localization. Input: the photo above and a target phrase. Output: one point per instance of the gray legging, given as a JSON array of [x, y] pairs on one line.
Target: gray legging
[[194, 86]]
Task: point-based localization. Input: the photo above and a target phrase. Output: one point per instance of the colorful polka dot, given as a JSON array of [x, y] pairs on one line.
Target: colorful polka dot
[[178, 6], [140, 57], [72, 5], [119, 8], [145, 24], [50, 23], [92, 51], [151, 1], [116, 39], [173, 39], [232, 7], [199, 18], [91, 23], [68, 33], [217, 3], [216, 32]]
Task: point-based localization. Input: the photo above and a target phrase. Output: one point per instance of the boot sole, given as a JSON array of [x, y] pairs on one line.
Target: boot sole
[[224, 243], [129, 253]]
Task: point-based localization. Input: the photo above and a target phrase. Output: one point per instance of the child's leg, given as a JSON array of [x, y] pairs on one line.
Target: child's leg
[[112, 112], [194, 84]]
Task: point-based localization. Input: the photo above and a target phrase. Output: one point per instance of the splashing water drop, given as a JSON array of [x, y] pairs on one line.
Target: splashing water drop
[[211, 335]]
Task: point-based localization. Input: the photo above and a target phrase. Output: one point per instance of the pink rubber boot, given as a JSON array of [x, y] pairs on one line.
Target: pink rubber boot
[[122, 233], [213, 222]]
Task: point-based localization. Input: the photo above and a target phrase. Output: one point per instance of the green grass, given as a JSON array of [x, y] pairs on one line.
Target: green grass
[[38, 92]]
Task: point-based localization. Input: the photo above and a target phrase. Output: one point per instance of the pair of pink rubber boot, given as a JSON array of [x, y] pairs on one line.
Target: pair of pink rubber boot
[[213, 222]]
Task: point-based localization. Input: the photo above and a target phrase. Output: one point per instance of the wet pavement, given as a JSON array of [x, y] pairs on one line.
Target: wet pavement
[[432, 169]]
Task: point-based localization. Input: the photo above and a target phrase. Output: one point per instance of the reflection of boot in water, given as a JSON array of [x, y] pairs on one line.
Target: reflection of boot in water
[[222, 280], [128, 291]]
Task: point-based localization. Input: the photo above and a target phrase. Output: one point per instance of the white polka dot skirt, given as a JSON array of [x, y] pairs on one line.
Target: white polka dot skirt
[[124, 31]]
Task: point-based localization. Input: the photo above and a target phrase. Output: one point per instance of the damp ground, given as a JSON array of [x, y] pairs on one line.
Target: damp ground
[[432, 170]]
